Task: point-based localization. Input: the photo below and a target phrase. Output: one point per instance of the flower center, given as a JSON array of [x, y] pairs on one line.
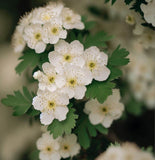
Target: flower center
[[72, 82], [92, 65], [48, 149], [51, 79], [66, 147], [130, 20], [51, 105], [68, 18], [104, 109], [67, 57], [46, 17], [37, 36], [54, 30]]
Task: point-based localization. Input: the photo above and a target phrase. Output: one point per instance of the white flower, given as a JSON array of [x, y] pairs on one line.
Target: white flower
[[48, 147], [96, 62], [69, 146], [112, 153], [33, 35], [149, 12], [52, 106], [66, 53], [76, 79], [18, 42], [71, 20], [49, 79], [53, 31], [46, 14], [105, 113]]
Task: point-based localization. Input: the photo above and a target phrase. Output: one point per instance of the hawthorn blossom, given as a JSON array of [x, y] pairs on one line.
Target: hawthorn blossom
[[53, 31], [33, 35], [96, 62], [105, 113], [68, 146], [76, 80], [49, 79], [43, 15], [48, 147], [65, 53], [53, 105], [71, 20]]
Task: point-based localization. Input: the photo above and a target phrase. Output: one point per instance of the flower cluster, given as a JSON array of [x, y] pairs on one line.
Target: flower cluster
[[55, 149], [105, 113], [141, 77], [45, 25], [65, 76], [125, 152]]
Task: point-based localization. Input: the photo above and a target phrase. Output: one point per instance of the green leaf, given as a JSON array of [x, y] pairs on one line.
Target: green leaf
[[118, 57], [32, 112], [88, 24], [101, 129], [58, 128], [29, 59], [20, 102], [99, 39], [99, 90], [134, 107], [115, 73], [34, 155], [85, 130]]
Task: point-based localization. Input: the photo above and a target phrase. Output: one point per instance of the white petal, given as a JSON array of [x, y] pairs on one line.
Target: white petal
[[53, 39], [75, 150], [78, 61], [101, 73], [46, 118], [48, 68], [44, 156], [64, 154], [39, 103], [40, 47], [76, 48], [69, 91], [55, 156], [96, 118], [61, 47], [80, 92], [60, 113], [55, 58], [107, 121], [60, 81], [63, 34]]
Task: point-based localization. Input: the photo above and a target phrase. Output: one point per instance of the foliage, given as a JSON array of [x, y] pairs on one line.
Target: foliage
[[31, 59], [85, 130], [20, 103], [58, 128]]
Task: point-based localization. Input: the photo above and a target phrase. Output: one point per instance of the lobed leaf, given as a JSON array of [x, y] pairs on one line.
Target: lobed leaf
[[58, 128]]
